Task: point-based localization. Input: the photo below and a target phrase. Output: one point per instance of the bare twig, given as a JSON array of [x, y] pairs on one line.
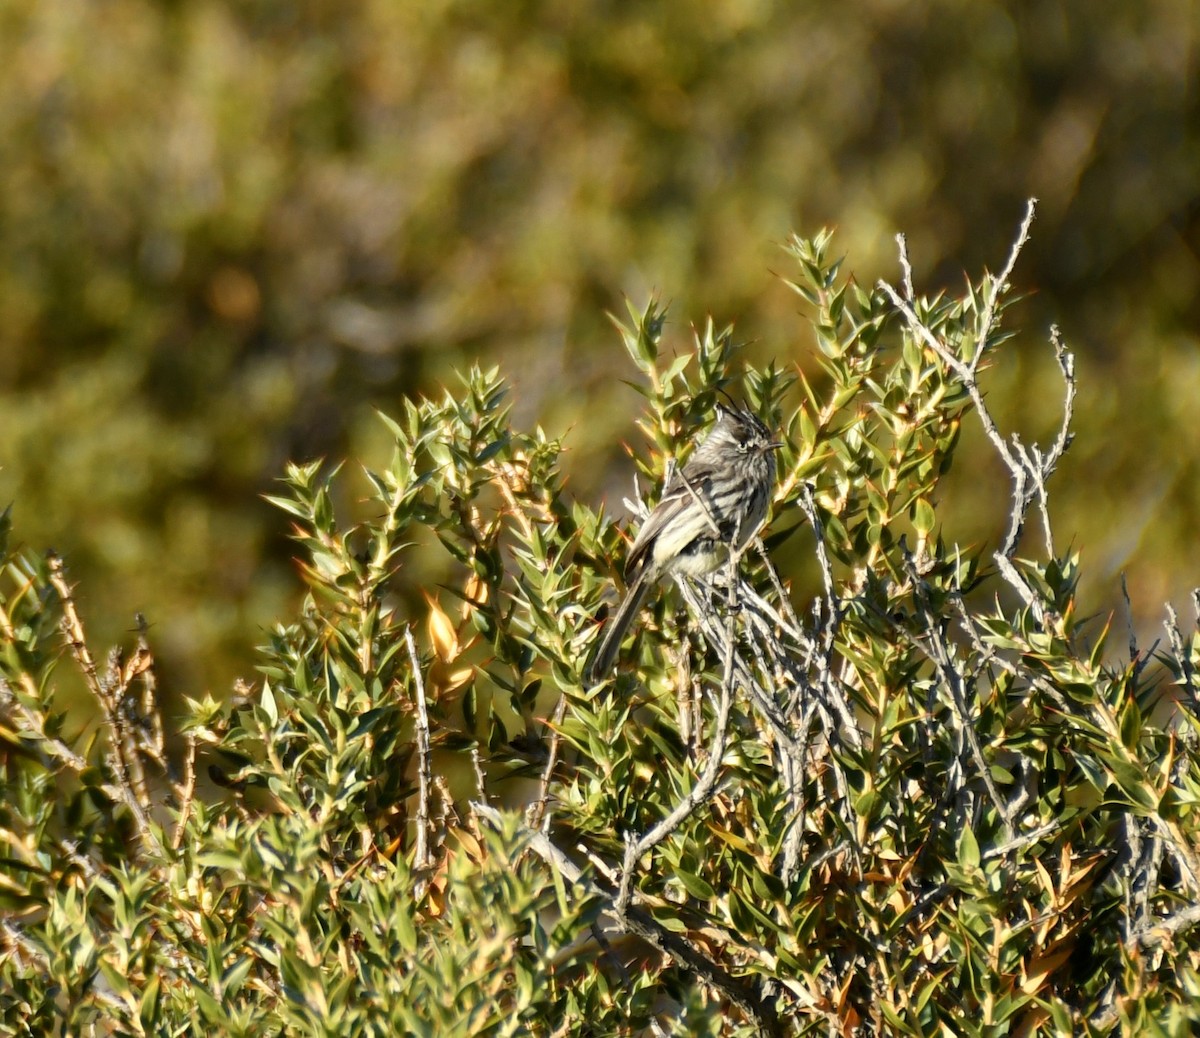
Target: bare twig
[[1133, 645], [1029, 468], [477, 770], [121, 758], [1024, 839], [1162, 931], [72, 628], [935, 646], [744, 994], [999, 284], [185, 790], [536, 814], [1183, 657], [714, 633], [826, 679], [142, 666], [906, 277], [795, 628], [635, 847], [422, 857]]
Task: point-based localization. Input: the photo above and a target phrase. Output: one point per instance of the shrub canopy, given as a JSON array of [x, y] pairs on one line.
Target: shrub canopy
[[904, 788]]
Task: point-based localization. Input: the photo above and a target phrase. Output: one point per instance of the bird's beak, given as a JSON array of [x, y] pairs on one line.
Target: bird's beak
[[774, 445]]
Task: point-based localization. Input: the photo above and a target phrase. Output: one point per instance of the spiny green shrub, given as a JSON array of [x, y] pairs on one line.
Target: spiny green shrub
[[902, 786]]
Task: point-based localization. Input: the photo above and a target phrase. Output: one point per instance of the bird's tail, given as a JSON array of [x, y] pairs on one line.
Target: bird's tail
[[602, 662]]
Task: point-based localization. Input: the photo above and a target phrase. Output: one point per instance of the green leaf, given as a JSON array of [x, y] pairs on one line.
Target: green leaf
[[923, 517], [968, 849], [695, 885], [267, 702]]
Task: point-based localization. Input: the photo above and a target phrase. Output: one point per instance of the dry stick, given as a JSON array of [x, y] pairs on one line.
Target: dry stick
[[833, 619], [1133, 645], [1029, 468], [1000, 284], [987, 658], [536, 814], [686, 694], [1014, 462], [422, 856], [477, 769], [906, 278], [1160, 931], [72, 628], [1142, 861], [934, 647], [790, 866], [635, 920], [714, 633], [793, 623], [796, 742], [185, 791], [798, 747], [762, 616], [117, 675], [142, 665], [1047, 464], [937, 650], [1024, 840], [102, 689], [1186, 671], [702, 790]]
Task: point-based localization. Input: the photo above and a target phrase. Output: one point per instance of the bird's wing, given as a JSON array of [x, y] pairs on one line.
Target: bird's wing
[[676, 498]]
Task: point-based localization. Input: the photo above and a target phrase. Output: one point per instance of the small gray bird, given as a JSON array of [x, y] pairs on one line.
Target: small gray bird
[[722, 493]]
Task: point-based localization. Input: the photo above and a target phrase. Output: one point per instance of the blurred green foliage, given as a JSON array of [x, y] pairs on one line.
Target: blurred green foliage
[[226, 228]]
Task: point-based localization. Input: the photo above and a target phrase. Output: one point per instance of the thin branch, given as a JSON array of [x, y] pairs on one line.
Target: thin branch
[[934, 645], [745, 995], [999, 284], [964, 371], [1163, 931], [714, 634], [703, 789], [477, 770], [1184, 658], [1024, 839], [536, 814], [186, 791], [833, 618], [793, 623], [1028, 468], [142, 666], [72, 628], [906, 278], [422, 857]]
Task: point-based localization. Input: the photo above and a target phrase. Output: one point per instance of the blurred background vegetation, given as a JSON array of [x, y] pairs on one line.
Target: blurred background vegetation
[[228, 230]]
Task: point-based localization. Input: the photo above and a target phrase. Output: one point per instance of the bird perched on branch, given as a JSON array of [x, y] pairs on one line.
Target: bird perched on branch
[[718, 500]]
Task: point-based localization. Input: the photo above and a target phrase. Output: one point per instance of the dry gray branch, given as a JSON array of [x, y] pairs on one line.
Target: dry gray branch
[[635, 847], [745, 994], [423, 857]]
